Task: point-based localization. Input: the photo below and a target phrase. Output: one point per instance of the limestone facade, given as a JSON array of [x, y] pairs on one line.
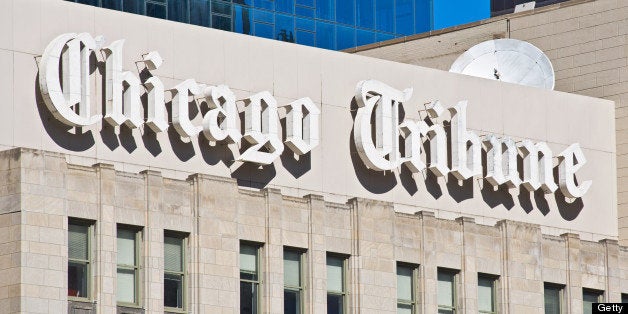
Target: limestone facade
[[41, 191], [586, 41]]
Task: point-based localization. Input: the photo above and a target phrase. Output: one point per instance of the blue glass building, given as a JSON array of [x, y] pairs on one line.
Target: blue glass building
[[329, 24]]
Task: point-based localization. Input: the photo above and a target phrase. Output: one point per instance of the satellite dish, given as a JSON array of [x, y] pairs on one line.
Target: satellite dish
[[507, 60]]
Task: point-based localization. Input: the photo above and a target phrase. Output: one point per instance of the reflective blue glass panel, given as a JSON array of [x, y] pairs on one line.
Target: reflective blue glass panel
[[156, 10], [365, 13], [221, 7], [365, 37], [177, 10], [263, 16], [345, 37], [284, 28], [345, 11], [200, 12], [242, 20], [309, 3], [383, 37], [404, 19], [264, 30], [265, 4], [422, 16], [88, 2], [305, 38], [112, 4], [325, 35], [285, 6], [325, 9], [384, 15], [221, 22], [304, 11], [306, 24], [133, 6], [247, 2]]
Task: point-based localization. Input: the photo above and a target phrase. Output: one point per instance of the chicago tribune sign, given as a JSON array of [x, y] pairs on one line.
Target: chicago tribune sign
[[384, 142]]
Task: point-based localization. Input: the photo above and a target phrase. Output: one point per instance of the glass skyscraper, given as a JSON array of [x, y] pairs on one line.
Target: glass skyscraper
[[329, 24]]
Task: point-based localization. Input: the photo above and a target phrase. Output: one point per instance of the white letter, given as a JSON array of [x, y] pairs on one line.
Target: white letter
[[374, 95], [465, 163], [75, 75], [537, 169], [501, 162], [302, 131], [180, 111], [569, 161], [122, 90], [157, 120], [261, 125], [410, 131], [438, 141], [222, 102]]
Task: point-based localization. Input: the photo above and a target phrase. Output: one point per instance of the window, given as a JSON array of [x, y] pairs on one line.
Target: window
[[486, 293], [553, 295], [79, 259], [624, 298], [249, 278], [446, 292], [174, 271], [589, 297], [406, 281], [128, 265], [335, 284], [292, 281]]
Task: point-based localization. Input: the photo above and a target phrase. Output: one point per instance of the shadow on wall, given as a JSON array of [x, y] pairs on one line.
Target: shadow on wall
[[379, 182]]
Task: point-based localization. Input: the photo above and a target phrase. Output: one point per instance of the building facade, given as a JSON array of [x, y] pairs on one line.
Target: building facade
[[105, 209]]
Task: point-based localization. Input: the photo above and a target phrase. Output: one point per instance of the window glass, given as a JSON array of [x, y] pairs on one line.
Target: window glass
[[242, 20], [335, 304], [404, 283], [384, 15], [174, 271], [335, 284], [265, 4], [345, 37], [126, 286], [293, 285], [264, 30], [588, 298], [325, 35], [325, 9], [220, 7], [365, 13], [126, 247], [156, 10], [128, 265], [178, 10], [304, 11], [284, 28], [552, 296], [79, 260], [365, 37], [384, 37], [200, 12], [249, 278], [306, 38], [133, 6], [445, 291], [285, 6], [306, 24], [112, 4], [404, 18], [486, 294], [345, 12], [624, 298], [308, 3], [422, 16], [221, 22]]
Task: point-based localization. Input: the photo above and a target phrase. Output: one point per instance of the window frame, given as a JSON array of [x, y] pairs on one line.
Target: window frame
[[561, 295], [494, 281], [184, 243], [136, 268], [90, 257], [413, 283], [258, 267], [303, 285], [598, 293], [343, 293], [454, 292]]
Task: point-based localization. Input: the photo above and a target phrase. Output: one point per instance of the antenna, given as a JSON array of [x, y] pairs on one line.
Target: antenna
[[507, 60]]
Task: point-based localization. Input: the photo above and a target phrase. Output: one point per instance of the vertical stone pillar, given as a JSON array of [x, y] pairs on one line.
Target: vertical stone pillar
[[469, 275], [573, 290], [10, 234], [273, 272], [429, 269], [613, 272], [522, 266], [316, 257], [106, 255], [153, 243]]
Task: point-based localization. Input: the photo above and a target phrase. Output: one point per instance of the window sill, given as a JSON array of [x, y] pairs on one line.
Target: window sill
[[81, 306], [122, 309]]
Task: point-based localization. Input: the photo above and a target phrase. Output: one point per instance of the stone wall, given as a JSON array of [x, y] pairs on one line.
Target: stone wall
[[584, 39], [217, 214]]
